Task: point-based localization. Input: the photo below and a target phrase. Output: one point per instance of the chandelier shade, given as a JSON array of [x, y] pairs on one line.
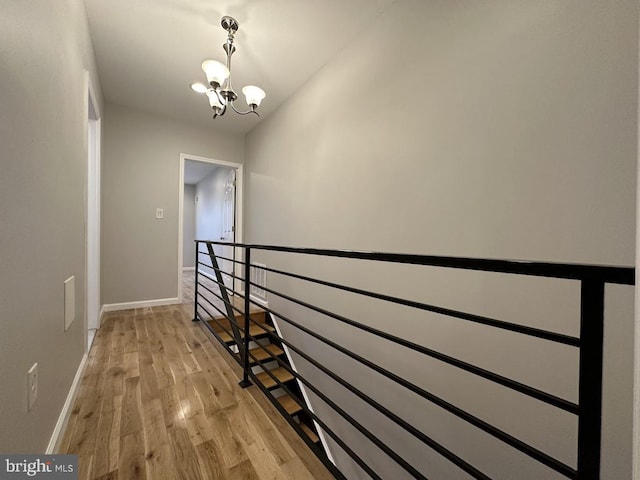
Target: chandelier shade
[[253, 94], [216, 72], [219, 90]]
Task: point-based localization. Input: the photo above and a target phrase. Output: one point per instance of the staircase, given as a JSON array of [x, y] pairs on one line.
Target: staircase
[[282, 387], [262, 354]]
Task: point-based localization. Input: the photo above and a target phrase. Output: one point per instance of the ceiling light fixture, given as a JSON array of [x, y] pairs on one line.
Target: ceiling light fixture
[[220, 93]]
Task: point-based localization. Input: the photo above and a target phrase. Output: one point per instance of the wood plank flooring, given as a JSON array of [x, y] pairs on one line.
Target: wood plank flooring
[[159, 400]]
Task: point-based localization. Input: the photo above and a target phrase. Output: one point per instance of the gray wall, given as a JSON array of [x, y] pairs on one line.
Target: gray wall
[[140, 173], [502, 129], [189, 226], [44, 51]]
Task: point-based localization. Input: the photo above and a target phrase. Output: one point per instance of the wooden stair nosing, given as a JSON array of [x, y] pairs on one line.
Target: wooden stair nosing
[[254, 331], [289, 404], [258, 316], [262, 356], [309, 432], [281, 373]]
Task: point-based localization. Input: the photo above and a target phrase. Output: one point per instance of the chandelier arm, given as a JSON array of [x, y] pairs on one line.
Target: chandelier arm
[[222, 100], [243, 113], [220, 113]]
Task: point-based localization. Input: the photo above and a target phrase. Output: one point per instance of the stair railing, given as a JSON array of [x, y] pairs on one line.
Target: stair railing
[[588, 409]]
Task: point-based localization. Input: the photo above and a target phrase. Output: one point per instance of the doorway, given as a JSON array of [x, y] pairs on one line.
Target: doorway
[[92, 247], [215, 189]]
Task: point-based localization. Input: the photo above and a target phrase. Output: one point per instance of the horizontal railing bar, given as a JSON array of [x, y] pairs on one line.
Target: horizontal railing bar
[[216, 334], [320, 453], [221, 298], [218, 320], [481, 372], [218, 270], [514, 327], [471, 470], [469, 418], [224, 273], [227, 258], [214, 306], [397, 458], [571, 271], [324, 426], [224, 258], [340, 442]]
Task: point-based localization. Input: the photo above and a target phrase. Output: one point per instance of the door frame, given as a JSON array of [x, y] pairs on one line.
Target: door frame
[[93, 138], [238, 207]]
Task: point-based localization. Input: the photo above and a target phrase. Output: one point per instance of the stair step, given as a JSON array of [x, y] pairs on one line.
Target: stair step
[[221, 322], [254, 331], [310, 433], [258, 314], [289, 404], [261, 355], [280, 373]]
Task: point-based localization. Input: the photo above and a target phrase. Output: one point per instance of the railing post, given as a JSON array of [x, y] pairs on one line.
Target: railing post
[[195, 294], [245, 351], [590, 388]]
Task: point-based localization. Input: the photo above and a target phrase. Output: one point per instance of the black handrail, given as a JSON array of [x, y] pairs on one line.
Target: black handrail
[[570, 271], [590, 345]]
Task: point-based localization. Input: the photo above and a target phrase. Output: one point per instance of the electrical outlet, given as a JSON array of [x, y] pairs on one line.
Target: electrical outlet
[[32, 386], [159, 213]]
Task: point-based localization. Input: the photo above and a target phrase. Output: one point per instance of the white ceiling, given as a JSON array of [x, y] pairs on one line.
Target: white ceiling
[[150, 51]]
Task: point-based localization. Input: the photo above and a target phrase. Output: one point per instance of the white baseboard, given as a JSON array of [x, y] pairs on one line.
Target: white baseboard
[[259, 300], [188, 269], [63, 419], [114, 307], [100, 315]]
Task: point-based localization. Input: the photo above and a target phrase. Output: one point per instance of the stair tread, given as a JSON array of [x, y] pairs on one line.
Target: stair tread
[[289, 404], [310, 433], [238, 302], [254, 331], [261, 355], [280, 373]]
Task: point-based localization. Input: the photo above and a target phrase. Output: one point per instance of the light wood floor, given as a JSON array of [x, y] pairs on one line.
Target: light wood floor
[[160, 400]]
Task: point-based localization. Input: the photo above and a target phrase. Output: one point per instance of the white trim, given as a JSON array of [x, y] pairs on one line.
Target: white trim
[[635, 440], [63, 419], [239, 206], [114, 307], [188, 269], [101, 313], [259, 300], [92, 139], [323, 440]]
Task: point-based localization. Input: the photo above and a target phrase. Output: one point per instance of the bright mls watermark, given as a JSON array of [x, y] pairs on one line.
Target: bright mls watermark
[[50, 467]]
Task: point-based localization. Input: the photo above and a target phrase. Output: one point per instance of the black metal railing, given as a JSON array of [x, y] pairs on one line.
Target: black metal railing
[[588, 409]]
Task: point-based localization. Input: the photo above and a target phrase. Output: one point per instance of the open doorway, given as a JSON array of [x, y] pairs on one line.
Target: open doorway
[[210, 208], [92, 247]]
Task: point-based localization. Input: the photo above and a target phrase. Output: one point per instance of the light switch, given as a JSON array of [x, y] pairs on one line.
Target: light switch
[[159, 212]]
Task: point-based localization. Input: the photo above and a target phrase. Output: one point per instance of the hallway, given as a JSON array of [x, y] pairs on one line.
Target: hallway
[[158, 400]]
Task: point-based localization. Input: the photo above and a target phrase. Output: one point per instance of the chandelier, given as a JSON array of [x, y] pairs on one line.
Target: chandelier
[[220, 93]]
